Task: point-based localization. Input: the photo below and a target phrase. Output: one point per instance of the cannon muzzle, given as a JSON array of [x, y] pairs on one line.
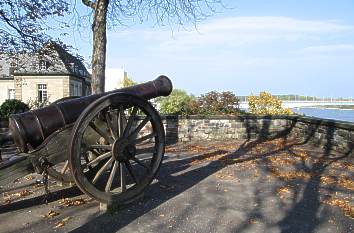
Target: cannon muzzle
[[30, 129]]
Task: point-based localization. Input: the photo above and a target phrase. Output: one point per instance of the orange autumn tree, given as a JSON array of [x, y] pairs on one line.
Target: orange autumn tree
[[266, 104]]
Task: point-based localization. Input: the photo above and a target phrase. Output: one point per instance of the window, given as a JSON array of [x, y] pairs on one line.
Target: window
[[75, 89], [73, 67], [12, 64], [72, 89], [42, 92], [79, 89], [11, 94], [43, 65]]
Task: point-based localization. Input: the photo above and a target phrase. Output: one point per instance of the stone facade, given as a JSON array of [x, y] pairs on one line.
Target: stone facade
[[29, 88], [53, 70], [329, 134]]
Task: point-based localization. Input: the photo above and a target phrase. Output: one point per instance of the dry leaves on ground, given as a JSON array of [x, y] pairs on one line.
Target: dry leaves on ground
[[67, 202], [29, 177], [51, 214], [62, 222], [284, 192], [344, 205], [10, 197]]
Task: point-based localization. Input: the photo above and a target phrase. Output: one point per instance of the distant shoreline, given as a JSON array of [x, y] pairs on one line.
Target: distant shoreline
[[332, 107]]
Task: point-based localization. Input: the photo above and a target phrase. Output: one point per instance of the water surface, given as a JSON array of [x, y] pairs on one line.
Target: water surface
[[334, 114]]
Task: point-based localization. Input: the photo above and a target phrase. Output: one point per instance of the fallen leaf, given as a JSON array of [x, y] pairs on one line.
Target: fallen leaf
[[62, 222], [71, 202], [51, 214], [29, 177]]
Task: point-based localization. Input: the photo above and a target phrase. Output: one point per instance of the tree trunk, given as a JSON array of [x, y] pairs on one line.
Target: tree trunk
[[99, 46]]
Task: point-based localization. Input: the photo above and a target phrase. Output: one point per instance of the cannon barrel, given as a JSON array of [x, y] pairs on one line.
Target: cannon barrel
[[30, 129]]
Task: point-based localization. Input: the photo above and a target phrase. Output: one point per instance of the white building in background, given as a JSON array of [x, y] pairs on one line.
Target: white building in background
[[114, 78]]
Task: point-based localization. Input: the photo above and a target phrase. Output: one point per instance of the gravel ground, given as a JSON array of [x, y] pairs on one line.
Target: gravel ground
[[234, 186]]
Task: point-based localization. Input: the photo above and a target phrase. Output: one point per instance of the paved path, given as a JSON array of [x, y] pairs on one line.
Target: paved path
[[231, 186]]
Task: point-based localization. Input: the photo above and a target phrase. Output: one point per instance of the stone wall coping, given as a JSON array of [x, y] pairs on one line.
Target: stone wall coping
[[324, 122], [305, 119]]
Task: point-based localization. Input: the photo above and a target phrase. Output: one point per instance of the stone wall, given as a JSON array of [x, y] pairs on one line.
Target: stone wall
[[329, 134]]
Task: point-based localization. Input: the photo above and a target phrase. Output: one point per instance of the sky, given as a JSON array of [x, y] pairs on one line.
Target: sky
[[280, 46]]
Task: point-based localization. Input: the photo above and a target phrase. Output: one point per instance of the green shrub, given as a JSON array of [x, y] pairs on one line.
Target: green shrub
[[212, 103], [218, 103], [175, 103], [11, 107]]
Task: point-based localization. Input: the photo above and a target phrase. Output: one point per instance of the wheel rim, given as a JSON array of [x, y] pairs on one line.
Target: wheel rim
[[117, 146]]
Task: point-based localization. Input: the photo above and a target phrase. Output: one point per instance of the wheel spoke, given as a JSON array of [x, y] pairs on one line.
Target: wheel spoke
[[99, 146], [66, 166], [140, 163], [102, 169], [130, 170], [111, 176], [140, 126], [99, 158], [94, 152], [110, 125], [101, 132], [146, 137], [130, 121], [122, 177], [121, 121]]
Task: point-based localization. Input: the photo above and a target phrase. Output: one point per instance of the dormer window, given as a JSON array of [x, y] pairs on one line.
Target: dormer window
[[12, 67], [73, 67], [13, 64], [43, 65]]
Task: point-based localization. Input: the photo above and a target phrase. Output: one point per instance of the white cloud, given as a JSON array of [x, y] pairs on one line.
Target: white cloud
[[238, 31], [328, 49]]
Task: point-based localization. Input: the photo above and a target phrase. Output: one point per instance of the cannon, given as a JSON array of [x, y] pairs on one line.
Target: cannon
[[110, 145]]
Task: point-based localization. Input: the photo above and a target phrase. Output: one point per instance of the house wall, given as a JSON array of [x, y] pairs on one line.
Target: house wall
[[5, 85], [28, 87]]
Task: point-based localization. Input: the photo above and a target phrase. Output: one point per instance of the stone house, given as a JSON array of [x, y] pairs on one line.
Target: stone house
[[47, 75]]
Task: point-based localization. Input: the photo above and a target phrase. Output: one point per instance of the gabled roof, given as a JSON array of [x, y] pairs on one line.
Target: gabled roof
[[52, 59]]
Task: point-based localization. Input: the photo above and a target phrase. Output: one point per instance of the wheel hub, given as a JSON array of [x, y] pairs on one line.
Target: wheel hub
[[123, 150]]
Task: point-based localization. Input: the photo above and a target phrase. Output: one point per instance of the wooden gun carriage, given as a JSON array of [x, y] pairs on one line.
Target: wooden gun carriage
[[111, 144]]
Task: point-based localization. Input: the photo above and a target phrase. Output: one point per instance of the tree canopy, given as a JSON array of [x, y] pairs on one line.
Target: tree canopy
[[266, 104], [24, 24]]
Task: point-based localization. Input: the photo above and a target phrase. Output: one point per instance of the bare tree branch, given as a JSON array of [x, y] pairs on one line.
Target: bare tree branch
[[89, 4], [112, 13], [24, 25]]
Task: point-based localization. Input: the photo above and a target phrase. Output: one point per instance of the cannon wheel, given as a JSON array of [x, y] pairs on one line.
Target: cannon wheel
[[129, 149]]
